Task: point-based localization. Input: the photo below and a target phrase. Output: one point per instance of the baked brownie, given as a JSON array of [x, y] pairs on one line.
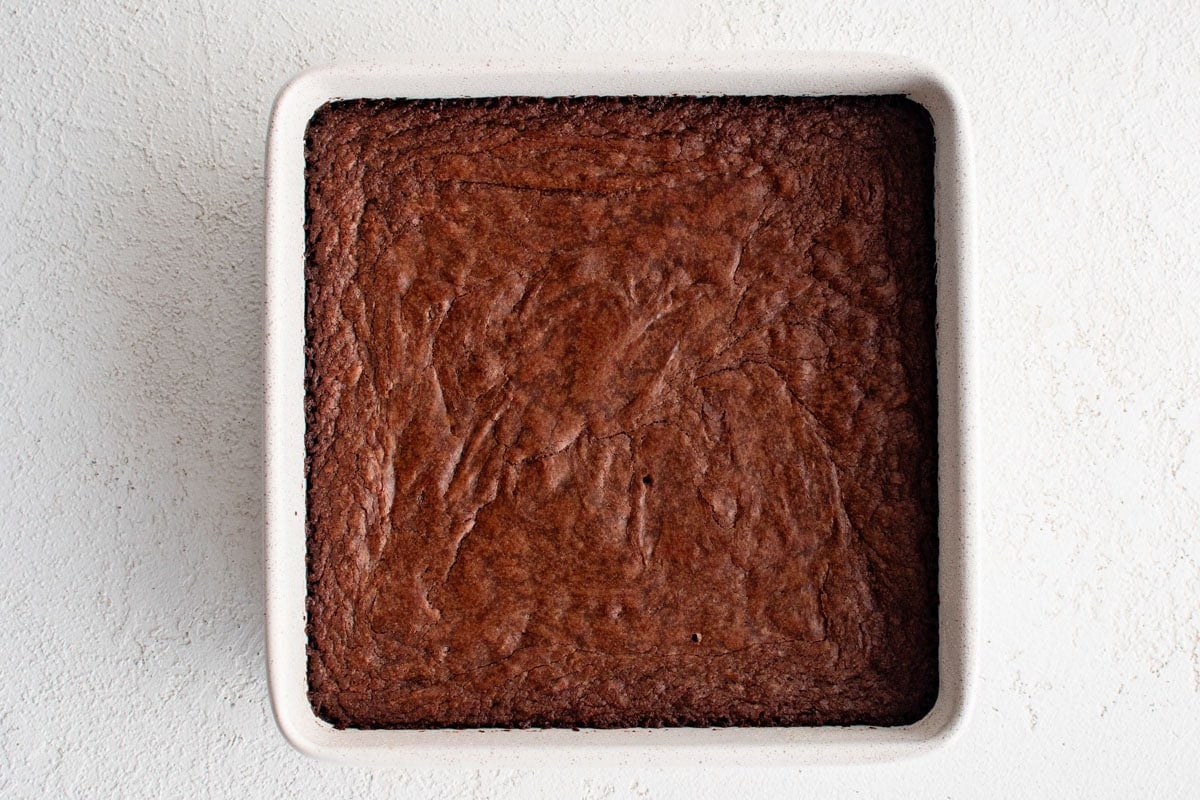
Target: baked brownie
[[621, 412]]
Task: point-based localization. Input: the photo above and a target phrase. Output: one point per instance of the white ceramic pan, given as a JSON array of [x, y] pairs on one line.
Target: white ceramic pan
[[747, 74]]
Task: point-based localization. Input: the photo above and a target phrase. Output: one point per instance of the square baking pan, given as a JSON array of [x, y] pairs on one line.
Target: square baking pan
[[284, 451]]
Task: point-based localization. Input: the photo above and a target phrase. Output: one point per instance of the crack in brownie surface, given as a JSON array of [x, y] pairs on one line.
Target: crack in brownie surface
[[621, 412]]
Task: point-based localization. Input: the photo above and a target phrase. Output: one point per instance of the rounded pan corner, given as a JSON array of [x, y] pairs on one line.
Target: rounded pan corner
[[948, 717], [298, 724], [294, 733], [928, 81], [303, 94], [938, 93]]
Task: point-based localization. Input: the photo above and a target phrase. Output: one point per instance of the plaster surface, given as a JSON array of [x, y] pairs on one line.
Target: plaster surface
[[131, 159]]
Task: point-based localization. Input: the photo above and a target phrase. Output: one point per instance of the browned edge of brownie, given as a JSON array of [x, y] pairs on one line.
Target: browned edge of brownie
[[621, 412]]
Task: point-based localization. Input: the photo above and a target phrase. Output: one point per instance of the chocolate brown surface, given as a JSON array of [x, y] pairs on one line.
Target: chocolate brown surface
[[621, 412]]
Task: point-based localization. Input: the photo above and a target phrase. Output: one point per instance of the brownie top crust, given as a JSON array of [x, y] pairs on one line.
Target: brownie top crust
[[621, 412]]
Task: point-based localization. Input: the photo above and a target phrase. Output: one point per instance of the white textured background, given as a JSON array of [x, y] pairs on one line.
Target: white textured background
[[131, 173]]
